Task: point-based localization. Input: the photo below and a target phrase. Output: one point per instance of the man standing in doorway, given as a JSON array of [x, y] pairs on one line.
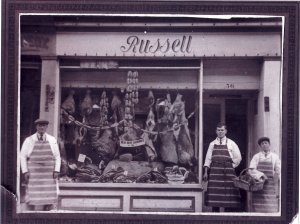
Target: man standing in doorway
[[222, 157], [40, 164]]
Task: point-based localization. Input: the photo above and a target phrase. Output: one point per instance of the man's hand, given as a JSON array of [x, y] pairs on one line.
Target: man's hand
[[26, 177], [205, 176], [55, 175]]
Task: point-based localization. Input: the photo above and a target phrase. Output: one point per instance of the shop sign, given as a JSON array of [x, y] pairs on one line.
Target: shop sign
[[208, 44], [134, 143], [136, 44]]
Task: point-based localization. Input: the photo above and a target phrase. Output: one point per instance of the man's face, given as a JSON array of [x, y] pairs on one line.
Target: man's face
[[41, 128], [265, 146], [221, 131]]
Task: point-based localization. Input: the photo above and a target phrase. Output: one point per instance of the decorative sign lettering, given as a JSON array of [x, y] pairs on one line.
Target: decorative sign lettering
[[165, 44], [136, 44], [134, 143]]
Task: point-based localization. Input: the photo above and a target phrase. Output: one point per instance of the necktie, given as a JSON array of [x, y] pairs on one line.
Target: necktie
[[41, 137], [220, 141]]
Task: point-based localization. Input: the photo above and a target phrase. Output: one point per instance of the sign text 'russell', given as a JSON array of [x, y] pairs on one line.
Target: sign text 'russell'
[[136, 44]]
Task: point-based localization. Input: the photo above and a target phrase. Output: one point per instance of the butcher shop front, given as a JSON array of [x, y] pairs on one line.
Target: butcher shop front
[[134, 103]]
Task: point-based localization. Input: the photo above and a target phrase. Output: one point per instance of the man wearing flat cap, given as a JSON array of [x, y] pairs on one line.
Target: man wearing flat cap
[[40, 164], [267, 163]]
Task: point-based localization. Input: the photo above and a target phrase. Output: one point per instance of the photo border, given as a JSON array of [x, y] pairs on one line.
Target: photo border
[[9, 97]]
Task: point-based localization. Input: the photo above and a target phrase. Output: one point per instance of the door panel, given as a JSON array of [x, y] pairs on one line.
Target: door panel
[[236, 120]]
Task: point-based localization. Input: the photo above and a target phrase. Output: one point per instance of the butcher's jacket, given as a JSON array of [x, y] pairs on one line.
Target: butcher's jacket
[[233, 150], [27, 148], [266, 157]]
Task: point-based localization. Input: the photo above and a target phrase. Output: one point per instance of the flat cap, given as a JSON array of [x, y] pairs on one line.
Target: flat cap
[[263, 139], [41, 121]]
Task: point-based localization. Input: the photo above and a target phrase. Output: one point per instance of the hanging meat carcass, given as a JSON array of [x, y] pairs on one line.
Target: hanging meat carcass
[[105, 146], [69, 103], [185, 147], [137, 151], [116, 106], [86, 106], [150, 124], [150, 99], [168, 150]]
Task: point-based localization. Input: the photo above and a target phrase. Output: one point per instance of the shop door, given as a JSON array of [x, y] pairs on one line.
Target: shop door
[[213, 113], [30, 101], [234, 113], [29, 109], [236, 120]]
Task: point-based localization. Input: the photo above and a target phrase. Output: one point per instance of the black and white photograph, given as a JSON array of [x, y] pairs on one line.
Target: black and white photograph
[[170, 114]]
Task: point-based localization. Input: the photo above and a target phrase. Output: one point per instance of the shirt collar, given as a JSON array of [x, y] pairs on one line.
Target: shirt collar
[[266, 154], [224, 140], [38, 136]]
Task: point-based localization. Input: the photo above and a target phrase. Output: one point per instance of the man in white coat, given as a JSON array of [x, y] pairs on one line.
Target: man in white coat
[[40, 165], [222, 157]]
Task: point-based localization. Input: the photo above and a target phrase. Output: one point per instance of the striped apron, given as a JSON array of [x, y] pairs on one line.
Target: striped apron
[[41, 185], [265, 200], [220, 190]]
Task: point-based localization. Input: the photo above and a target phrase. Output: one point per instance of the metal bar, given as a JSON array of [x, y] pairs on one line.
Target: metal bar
[[130, 67], [215, 24], [186, 68]]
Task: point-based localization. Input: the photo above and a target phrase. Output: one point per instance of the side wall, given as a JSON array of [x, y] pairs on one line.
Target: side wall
[[268, 123]]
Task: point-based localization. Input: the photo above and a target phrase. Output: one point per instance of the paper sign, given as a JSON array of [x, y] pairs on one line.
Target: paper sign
[[81, 158], [134, 143]]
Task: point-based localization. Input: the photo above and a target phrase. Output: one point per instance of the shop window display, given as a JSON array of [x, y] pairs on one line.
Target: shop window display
[[129, 135]]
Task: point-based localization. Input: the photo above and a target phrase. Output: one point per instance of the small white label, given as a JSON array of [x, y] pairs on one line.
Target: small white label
[[81, 158]]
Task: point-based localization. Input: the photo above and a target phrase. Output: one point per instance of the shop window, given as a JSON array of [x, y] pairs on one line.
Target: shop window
[[134, 133]]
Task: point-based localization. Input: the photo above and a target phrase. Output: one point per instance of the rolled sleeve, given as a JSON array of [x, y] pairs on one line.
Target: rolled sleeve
[[277, 166], [24, 155], [56, 155], [254, 162], [236, 155], [208, 155]]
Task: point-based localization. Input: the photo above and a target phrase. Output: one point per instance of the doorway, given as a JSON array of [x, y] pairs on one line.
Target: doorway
[[234, 113]]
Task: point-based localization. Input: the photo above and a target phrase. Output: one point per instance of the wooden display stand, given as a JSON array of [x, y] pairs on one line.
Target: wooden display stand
[[131, 197]]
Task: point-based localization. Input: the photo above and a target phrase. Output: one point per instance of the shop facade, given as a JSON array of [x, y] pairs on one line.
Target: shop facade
[[98, 78]]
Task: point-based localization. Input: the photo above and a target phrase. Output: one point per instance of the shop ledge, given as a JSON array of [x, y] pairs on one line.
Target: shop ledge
[[130, 186]]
